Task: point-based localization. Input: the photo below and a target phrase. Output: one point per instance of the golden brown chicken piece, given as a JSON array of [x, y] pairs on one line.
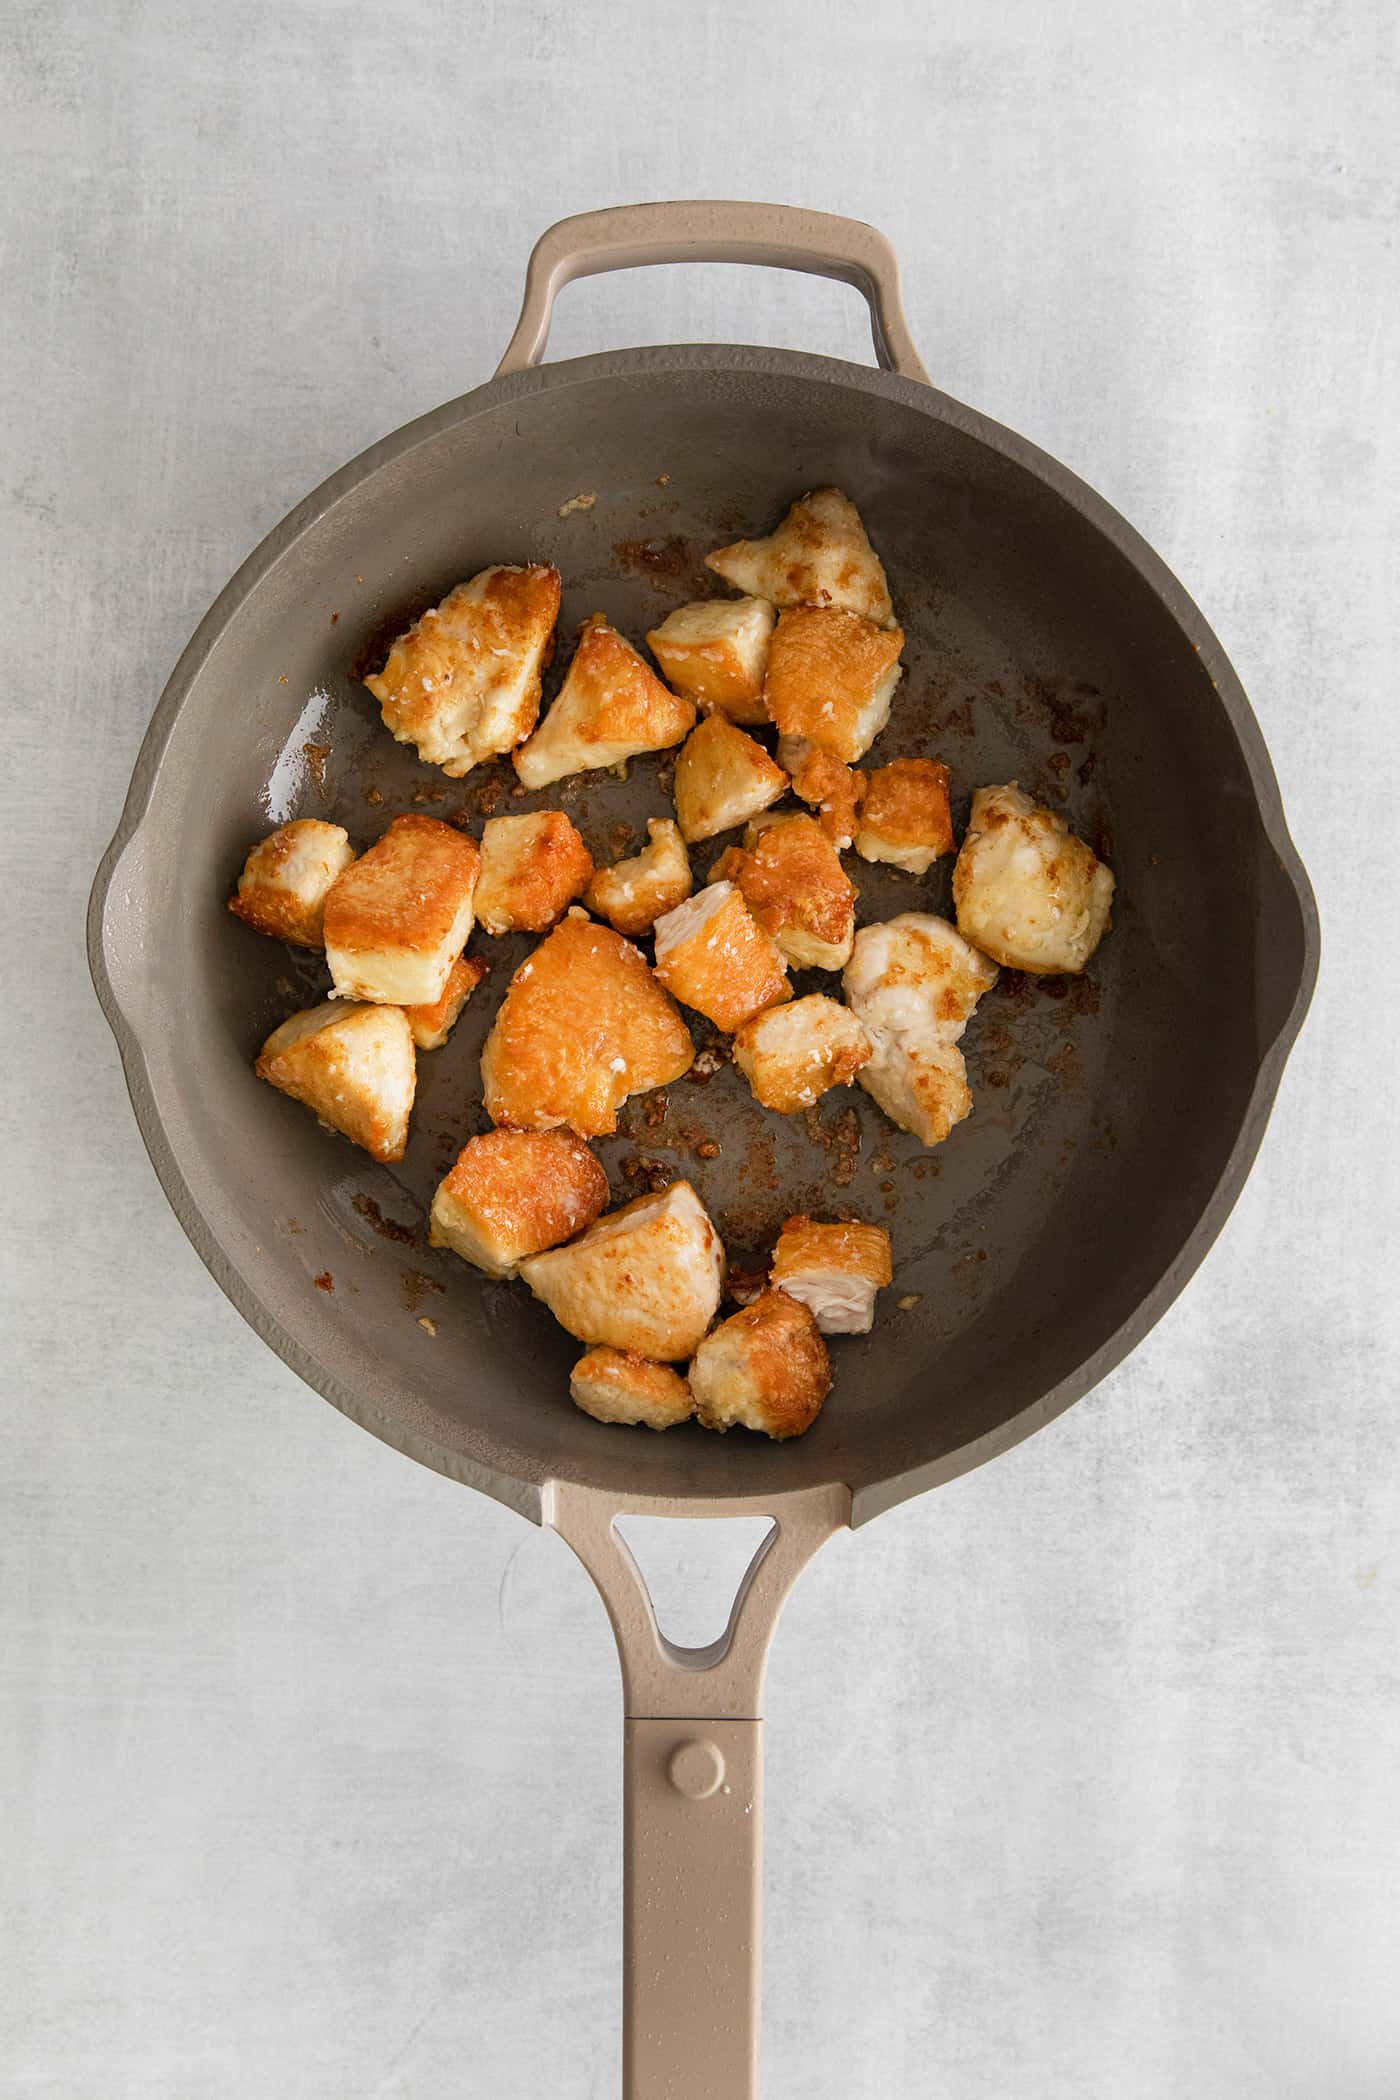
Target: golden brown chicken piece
[[614, 1386], [1027, 891], [712, 953], [464, 683], [514, 1193], [352, 1066], [723, 778], [832, 791], [793, 882], [905, 818], [610, 707], [834, 1270], [432, 1025], [819, 555], [791, 1055], [715, 652], [287, 878], [399, 917], [831, 678], [633, 894], [532, 868], [583, 1025], [914, 981], [764, 1368], [646, 1278]]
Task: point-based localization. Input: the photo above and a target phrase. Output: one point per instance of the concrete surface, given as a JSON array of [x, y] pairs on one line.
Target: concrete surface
[[1083, 1773]]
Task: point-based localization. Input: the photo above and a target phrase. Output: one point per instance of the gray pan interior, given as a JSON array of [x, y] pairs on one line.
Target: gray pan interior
[[1115, 1116]]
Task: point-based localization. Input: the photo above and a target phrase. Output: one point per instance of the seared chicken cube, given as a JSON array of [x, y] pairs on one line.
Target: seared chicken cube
[[610, 707], [399, 917], [715, 652], [464, 683], [583, 1025], [832, 790], [614, 1386], [793, 882], [646, 1278], [353, 1066], [532, 868], [633, 894], [834, 1270], [432, 1025], [514, 1193], [1027, 891], [287, 878], [905, 818], [914, 982], [722, 779], [819, 555], [791, 1055], [765, 1368], [713, 954], [831, 678]]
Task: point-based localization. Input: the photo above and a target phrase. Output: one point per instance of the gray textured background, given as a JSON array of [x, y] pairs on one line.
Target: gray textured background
[[1083, 1772]]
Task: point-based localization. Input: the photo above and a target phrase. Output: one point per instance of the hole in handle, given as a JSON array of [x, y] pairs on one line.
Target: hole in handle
[[693, 1572], [710, 303]]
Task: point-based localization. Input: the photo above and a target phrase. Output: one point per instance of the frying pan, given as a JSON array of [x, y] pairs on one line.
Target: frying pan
[[1116, 1115]]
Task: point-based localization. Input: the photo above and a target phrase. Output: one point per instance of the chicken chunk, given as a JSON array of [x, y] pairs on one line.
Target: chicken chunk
[[432, 1025], [1026, 890], [532, 868], [613, 1386], [513, 1193], [791, 1055], [793, 882], [834, 1270], [765, 1368], [831, 679], [722, 779], [905, 818], [353, 1066], [610, 707], [646, 1278], [287, 878], [715, 652], [712, 954], [583, 1025], [633, 894], [397, 920], [464, 683], [914, 982], [834, 791], [819, 555]]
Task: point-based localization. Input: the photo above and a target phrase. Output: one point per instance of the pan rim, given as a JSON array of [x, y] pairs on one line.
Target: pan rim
[[526, 1496]]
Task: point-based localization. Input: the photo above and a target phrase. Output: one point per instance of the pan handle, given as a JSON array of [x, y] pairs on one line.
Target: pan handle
[[778, 235], [692, 1805]]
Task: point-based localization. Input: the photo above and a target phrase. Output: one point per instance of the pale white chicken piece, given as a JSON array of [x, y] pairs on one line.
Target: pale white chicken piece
[[764, 1368], [353, 1066], [723, 778], [819, 555], [610, 707], [613, 1386], [715, 652], [712, 954], [532, 868], [513, 1193], [633, 894], [905, 818], [791, 1055], [432, 1025], [646, 1278], [463, 684], [831, 678], [287, 878], [1026, 890], [834, 1270], [914, 982], [399, 917]]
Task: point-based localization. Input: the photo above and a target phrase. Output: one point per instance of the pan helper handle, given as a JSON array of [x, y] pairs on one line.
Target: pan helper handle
[[693, 1778], [780, 236]]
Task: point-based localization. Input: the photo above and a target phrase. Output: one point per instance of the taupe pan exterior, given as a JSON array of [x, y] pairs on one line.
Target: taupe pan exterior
[[1116, 1116]]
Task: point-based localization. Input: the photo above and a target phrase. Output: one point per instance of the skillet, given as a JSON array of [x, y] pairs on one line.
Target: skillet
[[1116, 1116]]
